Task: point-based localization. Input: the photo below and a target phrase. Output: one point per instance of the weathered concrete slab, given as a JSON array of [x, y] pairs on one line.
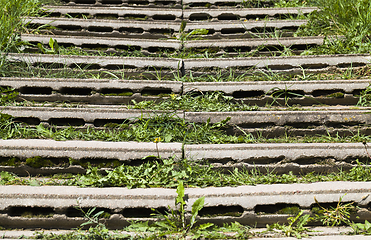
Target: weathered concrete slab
[[242, 14], [123, 151], [105, 27], [116, 91], [132, 3], [245, 200], [290, 64], [85, 117], [270, 124], [130, 63], [249, 44], [95, 91], [118, 44], [266, 153], [316, 232], [305, 93], [221, 3], [309, 88], [121, 13], [280, 118], [242, 29]]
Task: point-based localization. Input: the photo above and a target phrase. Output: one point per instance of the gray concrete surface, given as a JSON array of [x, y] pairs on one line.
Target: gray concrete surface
[[104, 27], [309, 88], [82, 117], [298, 158], [94, 91], [139, 64], [301, 119], [252, 93], [123, 12], [301, 153], [253, 42], [230, 26], [149, 3], [59, 199], [123, 151], [280, 64], [330, 233], [97, 85], [245, 13], [97, 42]]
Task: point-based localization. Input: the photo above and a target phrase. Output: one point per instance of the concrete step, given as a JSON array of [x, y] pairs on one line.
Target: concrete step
[[299, 158], [117, 91], [259, 205]]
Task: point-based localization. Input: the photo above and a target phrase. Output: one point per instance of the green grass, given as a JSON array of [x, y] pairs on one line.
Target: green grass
[[208, 102], [10, 20], [350, 18], [168, 127], [168, 173]]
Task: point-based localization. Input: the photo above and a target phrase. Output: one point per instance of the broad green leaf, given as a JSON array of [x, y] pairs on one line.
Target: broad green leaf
[[98, 214], [168, 138], [367, 225], [34, 183], [205, 226], [196, 207], [180, 192], [200, 31]]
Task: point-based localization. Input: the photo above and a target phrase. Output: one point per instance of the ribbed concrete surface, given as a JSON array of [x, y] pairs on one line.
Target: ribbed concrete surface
[[253, 118], [243, 13], [104, 27], [299, 158], [131, 63], [148, 3], [94, 91], [313, 88], [122, 13], [247, 153], [240, 28], [305, 93], [124, 151], [246, 45], [107, 91], [318, 233], [98, 85], [243, 200], [279, 64], [98, 42], [280, 118], [275, 152], [152, 46]]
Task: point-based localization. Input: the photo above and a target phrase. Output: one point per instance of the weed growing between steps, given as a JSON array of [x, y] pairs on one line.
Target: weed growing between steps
[[23, 69], [168, 173], [168, 127], [173, 224], [365, 97], [196, 102]]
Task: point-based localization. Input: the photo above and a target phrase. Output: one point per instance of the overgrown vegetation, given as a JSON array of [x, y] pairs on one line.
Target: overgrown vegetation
[[196, 102], [169, 127], [169, 172], [11, 23], [351, 19]]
